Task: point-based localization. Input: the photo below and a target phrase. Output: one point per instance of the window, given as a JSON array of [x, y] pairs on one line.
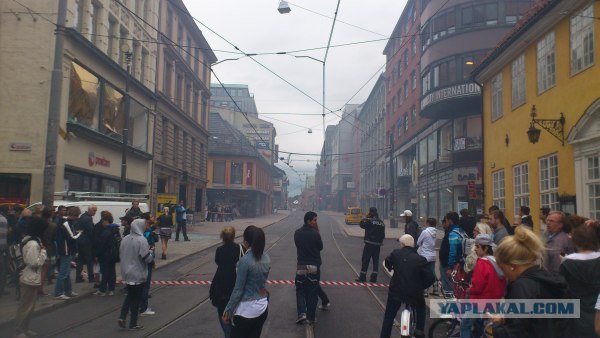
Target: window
[[422, 152], [164, 138], [425, 80], [593, 185], [497, 97], [83, 97], [413, 80], [113, 112], [219, 172], [405, 89], [521, 185], [413, 115], [405, 121], [432, 145], [169, 22], [498, 189], [545, 63], [168, 78], [582, 39], [446, 143], [138, 126], [187, 99], [549, 182], [518, 81], [405, 59], [180, 39], [414, 46], [237, 172], [179, 91]]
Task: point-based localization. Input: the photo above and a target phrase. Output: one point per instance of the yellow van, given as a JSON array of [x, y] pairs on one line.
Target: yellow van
[[353, 215]]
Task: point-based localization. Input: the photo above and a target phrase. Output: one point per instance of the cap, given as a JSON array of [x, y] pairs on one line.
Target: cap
[[406, 213], [484, 239], [407, 240], [129, 219], [373, 209]]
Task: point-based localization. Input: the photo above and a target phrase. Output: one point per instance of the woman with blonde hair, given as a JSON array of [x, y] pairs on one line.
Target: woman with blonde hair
[[520, 258], [471, 259]]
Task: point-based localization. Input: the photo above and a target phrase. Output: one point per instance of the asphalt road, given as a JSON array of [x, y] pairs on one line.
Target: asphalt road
[[185, 311]]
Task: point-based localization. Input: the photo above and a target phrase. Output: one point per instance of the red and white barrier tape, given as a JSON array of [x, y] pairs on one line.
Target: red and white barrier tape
[[272, 282]]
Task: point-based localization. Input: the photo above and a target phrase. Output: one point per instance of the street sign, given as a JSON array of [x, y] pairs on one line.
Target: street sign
[[471, 189]]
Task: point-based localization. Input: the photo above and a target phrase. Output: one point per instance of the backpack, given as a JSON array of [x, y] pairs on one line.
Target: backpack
[[466, 244], [16, 263]]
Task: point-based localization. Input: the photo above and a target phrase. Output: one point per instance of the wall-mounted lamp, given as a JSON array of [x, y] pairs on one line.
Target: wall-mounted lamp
[[284, 8], [469, 61], [506, 140], [309, 131], [553, 126]]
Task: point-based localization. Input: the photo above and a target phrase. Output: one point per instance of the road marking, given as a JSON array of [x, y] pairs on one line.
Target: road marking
[[270, 282]]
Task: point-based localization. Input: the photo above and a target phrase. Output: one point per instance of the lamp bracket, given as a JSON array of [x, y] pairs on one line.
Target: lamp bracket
[[556, 127]]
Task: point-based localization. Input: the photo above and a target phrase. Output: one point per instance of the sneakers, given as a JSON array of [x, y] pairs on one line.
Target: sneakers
[[136, 328], [325, 307], [121, 323], [301, 318], [148, 312], [63, 297], [99, 293], [73, 294], [111, 293], [186, 240]]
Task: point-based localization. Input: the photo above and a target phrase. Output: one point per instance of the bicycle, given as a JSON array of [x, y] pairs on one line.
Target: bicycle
[[449, 326], [408, 322]]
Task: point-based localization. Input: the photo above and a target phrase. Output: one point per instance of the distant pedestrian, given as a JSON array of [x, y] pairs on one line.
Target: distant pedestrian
[[411, 276], [497, 223], [526, 219], [108, 254], [308, 270], [165, 230], [135, 255], [226, 258], [85, 225], [467, 222], [66, 247], [152, 238], [126, 224], [471, 258], [503, 220], [134, 212], [411, 227], [181, 218], [247, 309], [374, 236], [426, 244], [34, 256], [444, 255]]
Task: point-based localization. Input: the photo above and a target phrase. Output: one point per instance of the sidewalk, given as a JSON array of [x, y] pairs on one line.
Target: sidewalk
[[202, 236]]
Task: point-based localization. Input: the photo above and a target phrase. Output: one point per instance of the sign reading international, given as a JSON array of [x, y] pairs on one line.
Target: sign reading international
[[452, 92]]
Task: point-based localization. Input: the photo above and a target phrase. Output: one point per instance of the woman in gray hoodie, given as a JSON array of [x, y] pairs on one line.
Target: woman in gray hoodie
[[135, 255]]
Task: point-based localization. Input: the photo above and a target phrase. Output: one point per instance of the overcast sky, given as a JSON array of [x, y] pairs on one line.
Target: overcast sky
[[257, 27]]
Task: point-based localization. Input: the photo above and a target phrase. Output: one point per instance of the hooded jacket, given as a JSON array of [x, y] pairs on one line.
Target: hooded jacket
[[33, 257], [135, 254], [582, 272], [536, 283], [488, 281], [374, 230], [426, 243]]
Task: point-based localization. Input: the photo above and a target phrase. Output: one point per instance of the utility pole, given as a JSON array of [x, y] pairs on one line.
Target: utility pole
[[54, 108], [393, 223], [123, 183]]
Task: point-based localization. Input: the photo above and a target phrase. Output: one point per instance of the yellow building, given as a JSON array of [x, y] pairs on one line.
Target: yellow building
[[548, 61]]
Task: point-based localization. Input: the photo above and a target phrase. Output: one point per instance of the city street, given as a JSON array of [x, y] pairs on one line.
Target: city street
[[185, 310]]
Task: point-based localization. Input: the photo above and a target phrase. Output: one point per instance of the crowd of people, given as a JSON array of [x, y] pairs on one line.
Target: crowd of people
[[221, 212]]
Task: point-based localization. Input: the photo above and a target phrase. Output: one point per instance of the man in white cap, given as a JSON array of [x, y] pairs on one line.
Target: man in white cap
[[410, 227], [411, 276]]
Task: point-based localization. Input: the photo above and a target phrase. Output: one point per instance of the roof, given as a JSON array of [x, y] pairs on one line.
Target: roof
[[531, 17], [226, 140], [233, 85]]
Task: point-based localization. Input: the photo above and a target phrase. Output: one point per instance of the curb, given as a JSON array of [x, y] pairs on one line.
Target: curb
[[89, 294]]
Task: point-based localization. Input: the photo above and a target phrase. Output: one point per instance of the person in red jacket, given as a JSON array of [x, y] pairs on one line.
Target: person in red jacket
[[487, 282]]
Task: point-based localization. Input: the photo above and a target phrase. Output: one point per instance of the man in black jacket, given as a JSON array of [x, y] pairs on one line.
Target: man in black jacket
[[85, 256], [467, 222], [444, 254], [308, 271], [411, 276], [374, 236]]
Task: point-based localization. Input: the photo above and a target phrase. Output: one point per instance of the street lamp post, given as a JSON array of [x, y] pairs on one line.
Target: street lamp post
[[128, 55]]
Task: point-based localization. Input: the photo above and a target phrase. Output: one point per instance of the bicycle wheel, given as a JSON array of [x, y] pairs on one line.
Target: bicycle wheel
[[444, 328]]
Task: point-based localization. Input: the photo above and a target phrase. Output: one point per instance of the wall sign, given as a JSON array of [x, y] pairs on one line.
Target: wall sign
[[19, 146], [456, 91], [94, 160]]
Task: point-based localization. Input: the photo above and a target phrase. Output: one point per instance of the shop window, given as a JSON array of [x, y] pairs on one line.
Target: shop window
[[446, 143], [113, 112], [432, 147], [83, 97], [467, 133], [138, 126]]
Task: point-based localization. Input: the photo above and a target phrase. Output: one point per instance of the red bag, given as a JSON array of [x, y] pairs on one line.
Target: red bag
[[460, 282]]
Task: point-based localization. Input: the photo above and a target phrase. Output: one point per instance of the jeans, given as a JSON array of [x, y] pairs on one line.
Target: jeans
[[132, 302], [323, 296], [84, 257], [181, 226], [226, 327], [248, 327], [146, 290], [471, 327], [63, 282], [370, 251], [446, 283], [307, 290], [109, 276], [391, 309]]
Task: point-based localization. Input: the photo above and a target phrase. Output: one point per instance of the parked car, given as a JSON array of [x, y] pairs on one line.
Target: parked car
[[353, 215]]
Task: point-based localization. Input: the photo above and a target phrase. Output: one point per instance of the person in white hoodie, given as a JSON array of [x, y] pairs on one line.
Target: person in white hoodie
[[34, 256], [426, 248], [135, 255]]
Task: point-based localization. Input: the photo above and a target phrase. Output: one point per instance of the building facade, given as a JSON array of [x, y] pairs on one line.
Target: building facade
[[342, 185], [546, 62], [237, 173], [374, 175], [94, 89], [181, 128]]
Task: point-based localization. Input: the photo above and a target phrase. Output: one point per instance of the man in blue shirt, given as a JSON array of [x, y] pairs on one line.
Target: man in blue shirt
[[181, 218], [455, 239]]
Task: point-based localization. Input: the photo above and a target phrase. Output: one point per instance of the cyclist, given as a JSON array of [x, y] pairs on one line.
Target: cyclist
[[411, 275]]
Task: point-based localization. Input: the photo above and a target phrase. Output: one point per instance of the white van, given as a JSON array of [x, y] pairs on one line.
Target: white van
[[118, 208]]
